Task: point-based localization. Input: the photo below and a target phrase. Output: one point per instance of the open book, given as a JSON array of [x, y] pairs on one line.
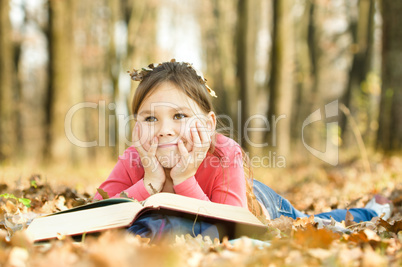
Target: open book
[[106, 214]]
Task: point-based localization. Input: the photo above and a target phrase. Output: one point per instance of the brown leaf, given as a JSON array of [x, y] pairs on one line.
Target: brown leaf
[[11, 207], [283, 223], [124, 195], [364, 236], [395, 228], [17, 257], [312, 237], [103, 193], [349, 219], [371, 235], [22, 239], [302, 222], [371, 259], [320, 253]]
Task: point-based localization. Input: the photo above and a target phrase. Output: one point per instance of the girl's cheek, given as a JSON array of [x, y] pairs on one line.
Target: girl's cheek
[[146, 135], [191, 123]]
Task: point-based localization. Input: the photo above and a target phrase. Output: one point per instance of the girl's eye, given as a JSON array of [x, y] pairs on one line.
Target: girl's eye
[[150, 119], [179, 116]]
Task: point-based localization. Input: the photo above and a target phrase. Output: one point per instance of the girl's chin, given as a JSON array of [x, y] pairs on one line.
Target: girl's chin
[[168, 165], [168, 161]]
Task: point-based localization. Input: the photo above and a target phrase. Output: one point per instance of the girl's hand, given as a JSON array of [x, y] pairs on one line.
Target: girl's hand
[[190, 161], [154, 177]]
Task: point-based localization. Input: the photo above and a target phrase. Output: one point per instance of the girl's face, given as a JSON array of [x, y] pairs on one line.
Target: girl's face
[[168, 115]]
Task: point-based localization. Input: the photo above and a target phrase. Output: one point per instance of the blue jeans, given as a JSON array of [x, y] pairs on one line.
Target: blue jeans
[[277, 206], [158, 227]]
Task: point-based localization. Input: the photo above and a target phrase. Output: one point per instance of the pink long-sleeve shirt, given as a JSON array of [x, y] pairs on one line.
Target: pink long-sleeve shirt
[[218, 179]]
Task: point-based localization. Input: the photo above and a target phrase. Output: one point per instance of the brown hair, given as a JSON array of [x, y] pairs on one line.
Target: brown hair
[[178, 73], [188, 81]]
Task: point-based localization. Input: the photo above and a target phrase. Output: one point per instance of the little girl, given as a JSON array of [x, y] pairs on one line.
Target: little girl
[[177, 150]]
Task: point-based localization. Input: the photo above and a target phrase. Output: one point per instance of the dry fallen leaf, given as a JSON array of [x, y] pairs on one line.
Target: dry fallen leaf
[[301, 242], [312, 237], [349, 219], [282, 223], [103, 193], [395, 227]]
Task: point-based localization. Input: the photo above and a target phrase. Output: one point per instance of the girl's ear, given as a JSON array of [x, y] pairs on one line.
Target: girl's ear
[[211, 123]]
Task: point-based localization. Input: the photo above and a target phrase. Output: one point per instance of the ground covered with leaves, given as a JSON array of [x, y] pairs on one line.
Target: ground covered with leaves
[[287, 242]]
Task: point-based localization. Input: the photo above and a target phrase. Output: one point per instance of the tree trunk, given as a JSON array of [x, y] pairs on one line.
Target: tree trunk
[[328, 47], [8, 105], [304, 73], [141, 46], [141, 51], [389, 137], [282, 81], [64, 87], [115, 59], [362, 32], [217, 37], [246, 45]]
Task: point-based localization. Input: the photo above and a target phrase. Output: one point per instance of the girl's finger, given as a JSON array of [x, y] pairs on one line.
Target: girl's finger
[[188, 136], [136, 138], [185, 156], [182, 148], [154, 146], [196, 138], [204, 136], [189, 145]]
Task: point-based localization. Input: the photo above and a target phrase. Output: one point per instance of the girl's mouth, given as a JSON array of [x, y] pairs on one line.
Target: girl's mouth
[[167, 145]]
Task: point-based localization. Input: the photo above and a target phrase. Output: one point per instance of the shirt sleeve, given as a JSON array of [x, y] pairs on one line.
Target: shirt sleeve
[[190, 188], [230, 185], [126, 176], [228, 182]]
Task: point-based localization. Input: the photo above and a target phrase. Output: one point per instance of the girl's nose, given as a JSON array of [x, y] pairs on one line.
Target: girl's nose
[[166, 129]]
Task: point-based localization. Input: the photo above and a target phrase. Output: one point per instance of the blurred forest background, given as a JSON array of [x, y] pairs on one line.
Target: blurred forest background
[[262, 57]]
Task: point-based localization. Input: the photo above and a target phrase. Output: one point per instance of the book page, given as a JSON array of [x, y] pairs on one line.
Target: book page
[[84, 221], [201, 207], [98, 204]]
